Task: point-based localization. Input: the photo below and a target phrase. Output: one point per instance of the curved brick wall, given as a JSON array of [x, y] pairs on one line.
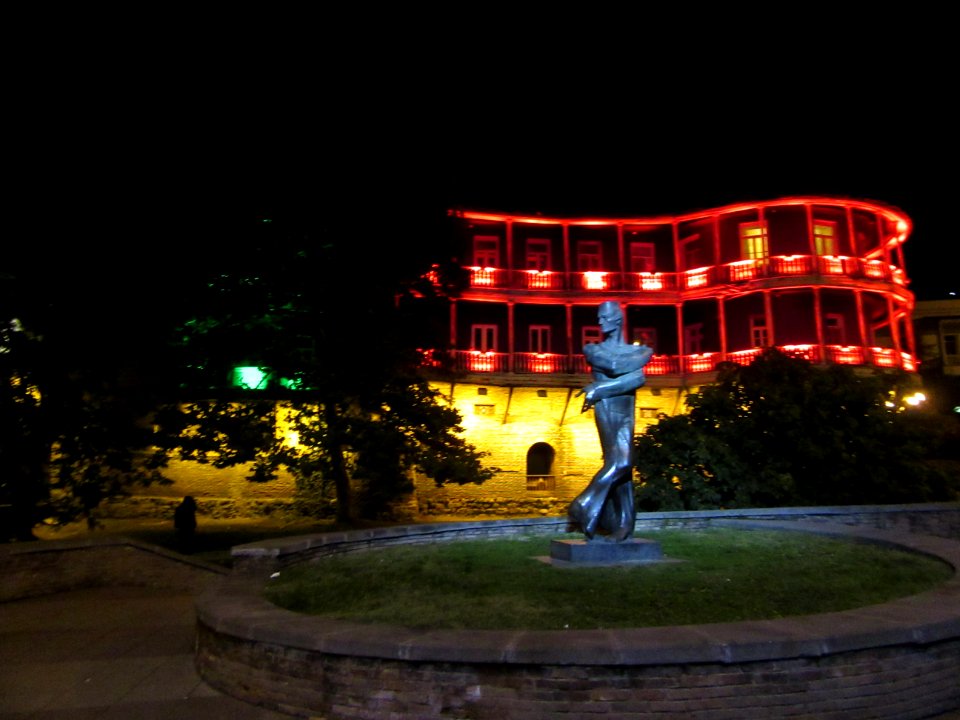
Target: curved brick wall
[[899, 660]]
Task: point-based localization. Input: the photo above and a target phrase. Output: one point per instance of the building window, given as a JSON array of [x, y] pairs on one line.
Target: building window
[[481, 391], [539, 338], [483, 338], [692, 257], [538, 254], [591, 334], [950, 330], [589, 256], [754, 244], [693, 339], [759, 336], [833, 329], [825, 237], [642, 257], [479, 409], [644, 336], [540, 467], [649, 413], [486, 251]]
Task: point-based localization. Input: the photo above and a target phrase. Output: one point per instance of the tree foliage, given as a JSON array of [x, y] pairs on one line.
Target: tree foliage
[[782, 431], [326, 327]]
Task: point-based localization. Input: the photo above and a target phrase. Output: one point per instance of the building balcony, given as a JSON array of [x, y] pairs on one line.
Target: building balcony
[[741, 271], [522, 363]]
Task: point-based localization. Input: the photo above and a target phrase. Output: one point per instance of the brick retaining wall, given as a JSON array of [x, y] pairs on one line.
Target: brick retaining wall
[[896, 661]]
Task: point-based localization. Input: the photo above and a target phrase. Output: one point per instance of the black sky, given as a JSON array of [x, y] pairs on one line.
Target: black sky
[[144, 162]]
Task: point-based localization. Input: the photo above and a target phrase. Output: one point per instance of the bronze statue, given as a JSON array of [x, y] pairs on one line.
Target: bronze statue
[[605, 509]]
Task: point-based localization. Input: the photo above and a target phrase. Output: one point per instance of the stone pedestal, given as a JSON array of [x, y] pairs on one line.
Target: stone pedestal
[[600, 552]]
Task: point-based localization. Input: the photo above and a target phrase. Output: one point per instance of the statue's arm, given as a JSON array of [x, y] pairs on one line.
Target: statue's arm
[[611, 387], [627, 358]]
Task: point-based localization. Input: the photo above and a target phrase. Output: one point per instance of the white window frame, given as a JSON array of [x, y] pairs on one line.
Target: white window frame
[[643, 257], [589, 255], [538, 338], [754, 240], [834, 329], [483, 337], [486, 251], [759, 332], [538, 254], [825, 237]]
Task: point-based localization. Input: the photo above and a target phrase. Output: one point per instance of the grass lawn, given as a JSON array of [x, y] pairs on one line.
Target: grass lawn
[[723, 575]]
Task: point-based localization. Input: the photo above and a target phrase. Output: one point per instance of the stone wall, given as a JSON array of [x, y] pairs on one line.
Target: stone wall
[[896, 661]]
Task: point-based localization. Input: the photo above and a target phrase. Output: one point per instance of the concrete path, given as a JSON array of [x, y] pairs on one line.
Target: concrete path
[[107, 654]]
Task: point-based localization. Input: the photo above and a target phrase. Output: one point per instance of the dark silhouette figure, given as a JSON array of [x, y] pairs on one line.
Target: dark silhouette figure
[[185, 522], [605, 507]]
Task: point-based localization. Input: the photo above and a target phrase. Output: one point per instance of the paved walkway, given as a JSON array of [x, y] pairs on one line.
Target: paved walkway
[[107, 654]]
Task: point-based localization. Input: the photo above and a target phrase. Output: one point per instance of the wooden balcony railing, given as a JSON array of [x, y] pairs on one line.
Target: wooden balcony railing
[[702, 277], [474, 361]]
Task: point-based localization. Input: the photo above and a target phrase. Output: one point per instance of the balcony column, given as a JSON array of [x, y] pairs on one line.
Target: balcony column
[[567, 268], [908, 325], [854, 246], [894, 326], [509, 263], [623, 266], [722, 316], [811, 244], [571, 361], [682, 364], [453, 323], [511, 343], [818, 319]]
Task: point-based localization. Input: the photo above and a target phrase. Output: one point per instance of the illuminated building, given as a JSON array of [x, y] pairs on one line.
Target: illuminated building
[[821, 278]]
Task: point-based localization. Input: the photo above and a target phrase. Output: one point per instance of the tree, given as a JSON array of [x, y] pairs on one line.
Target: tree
[[323, 323], [782, 431], [74, 394]]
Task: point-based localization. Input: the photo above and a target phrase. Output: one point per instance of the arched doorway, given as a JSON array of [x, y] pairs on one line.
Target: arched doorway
[[540, 467]]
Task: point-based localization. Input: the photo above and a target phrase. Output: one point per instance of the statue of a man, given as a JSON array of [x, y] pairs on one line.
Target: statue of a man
[[606, 507]]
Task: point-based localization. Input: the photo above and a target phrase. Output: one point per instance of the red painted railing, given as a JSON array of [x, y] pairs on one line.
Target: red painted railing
[[702, 277], [474, 361]]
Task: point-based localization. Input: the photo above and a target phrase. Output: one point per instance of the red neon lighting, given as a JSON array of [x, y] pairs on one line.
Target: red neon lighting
[[650, 281], [595, 280], [743, 270], [743, 357], [807, 352], [539, 279], [696, 278], [700, 363], [543, 363], [831, 264], [844, 355], [481, 361], [884, 357], [791, 264], [873, 268], [483, 277]]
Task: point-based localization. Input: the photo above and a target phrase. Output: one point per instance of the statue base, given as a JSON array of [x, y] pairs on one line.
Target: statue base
[[601, 552]]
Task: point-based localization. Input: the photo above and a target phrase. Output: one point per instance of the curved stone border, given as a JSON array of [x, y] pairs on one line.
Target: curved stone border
[[899, 660]]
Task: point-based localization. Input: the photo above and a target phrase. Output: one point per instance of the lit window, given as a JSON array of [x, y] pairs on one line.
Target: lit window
[[754, 244], [825, 237]]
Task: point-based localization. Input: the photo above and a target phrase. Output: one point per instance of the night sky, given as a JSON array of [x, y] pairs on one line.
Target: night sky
[[139, 177]]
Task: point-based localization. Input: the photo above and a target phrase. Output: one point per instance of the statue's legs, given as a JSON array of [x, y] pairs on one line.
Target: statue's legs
[[607, 502]]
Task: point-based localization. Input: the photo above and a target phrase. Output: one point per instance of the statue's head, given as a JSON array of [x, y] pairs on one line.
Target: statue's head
[[610, 316]]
